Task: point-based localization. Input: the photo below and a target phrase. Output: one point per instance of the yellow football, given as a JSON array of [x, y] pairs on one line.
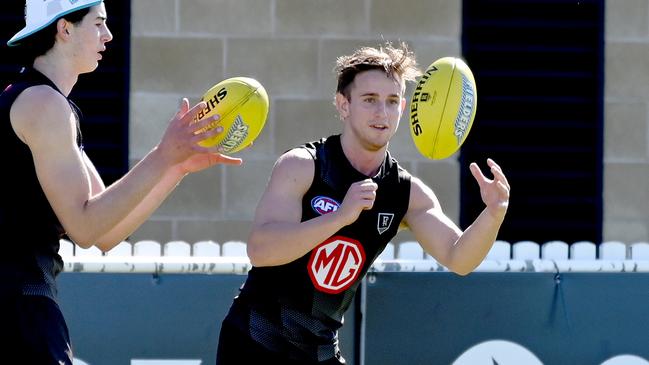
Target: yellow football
[[442, 108], [242, 104]]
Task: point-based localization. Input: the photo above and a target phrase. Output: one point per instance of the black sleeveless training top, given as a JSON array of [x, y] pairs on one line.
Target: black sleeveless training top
[[297, 308], [30, 230]]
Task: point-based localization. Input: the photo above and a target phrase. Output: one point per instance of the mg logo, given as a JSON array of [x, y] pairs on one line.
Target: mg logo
[[323, 205], [335, 264]]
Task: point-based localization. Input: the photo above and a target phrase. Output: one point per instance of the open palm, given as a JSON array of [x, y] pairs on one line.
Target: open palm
[[494, 192]]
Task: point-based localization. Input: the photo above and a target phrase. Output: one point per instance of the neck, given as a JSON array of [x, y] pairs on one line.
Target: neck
[[368, 162], [60, 73]]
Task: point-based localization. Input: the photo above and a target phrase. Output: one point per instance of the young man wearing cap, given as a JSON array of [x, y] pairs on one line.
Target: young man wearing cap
[[53, 189], [328, 211]]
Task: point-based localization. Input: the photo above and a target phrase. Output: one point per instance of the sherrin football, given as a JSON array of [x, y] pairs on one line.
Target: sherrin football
[[442, 108], [242, 103]]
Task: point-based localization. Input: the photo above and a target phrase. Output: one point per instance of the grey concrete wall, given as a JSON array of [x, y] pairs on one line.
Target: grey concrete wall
[[626, 154], [182, 47]]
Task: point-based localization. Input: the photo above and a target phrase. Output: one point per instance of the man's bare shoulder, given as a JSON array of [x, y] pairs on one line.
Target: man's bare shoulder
[[296, 156], [296, 165], [40, 107]]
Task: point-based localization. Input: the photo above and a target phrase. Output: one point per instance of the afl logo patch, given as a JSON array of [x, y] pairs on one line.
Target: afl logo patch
[[323, 205], [335, 264]]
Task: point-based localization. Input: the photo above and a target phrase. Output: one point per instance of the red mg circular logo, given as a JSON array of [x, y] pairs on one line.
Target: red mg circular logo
[[335, 264]]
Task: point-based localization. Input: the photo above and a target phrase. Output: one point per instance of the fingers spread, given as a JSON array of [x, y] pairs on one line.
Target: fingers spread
[[182, 108], [206, 125], [497, 171], [193, 112], [477, 174]]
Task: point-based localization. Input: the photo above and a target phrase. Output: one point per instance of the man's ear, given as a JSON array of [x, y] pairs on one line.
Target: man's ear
[[342, 104], [63, 28]]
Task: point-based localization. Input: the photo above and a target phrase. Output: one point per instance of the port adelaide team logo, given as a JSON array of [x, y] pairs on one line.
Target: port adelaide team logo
[[384, 222], [323, 205], [335, 264]]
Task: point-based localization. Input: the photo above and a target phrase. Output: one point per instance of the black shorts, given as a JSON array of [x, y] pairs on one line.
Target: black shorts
[[34, 332], [237, 348]]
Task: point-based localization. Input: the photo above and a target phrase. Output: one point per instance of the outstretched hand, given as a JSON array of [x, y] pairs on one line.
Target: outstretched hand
[[494, 192], [180, 145]]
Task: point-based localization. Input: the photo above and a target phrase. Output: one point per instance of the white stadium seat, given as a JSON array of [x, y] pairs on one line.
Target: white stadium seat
[[123, 249], [176, 248], [146, 248], [554, 250], [526, 250], [639, 250], [234, 249], [206, 249], [583, 250], [612, 250], [501, 250]]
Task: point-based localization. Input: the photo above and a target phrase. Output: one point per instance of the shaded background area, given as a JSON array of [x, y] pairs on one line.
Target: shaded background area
[[539, 70], [103, 95]]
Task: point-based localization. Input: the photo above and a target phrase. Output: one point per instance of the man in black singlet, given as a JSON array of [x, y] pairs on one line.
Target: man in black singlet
[[50, 188], [330, 208]]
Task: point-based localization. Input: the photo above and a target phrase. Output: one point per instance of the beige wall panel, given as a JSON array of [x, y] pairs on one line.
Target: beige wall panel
[[218, 231], [244, 187], [197, 196], [150, 116], [407, 18], [444, 178], [321, 18], [225, 17], [626, 133], [187, 66], [152, 16], [298, 122], [283, 66], [626, 18], [427, 51], [626, 191], [626, 230], [626, 68]]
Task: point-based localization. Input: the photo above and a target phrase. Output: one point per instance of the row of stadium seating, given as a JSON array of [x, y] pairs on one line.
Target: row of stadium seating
[[155, 249], [409, 250], [230, 256], [552, 256]]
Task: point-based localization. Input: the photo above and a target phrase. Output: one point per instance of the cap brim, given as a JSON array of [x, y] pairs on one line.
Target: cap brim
[[27, 31]]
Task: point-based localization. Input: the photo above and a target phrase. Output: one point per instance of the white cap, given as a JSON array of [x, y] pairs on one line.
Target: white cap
[[41, 13]]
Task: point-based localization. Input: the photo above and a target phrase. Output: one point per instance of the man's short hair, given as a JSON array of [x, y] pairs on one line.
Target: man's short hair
[[398, 63]]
